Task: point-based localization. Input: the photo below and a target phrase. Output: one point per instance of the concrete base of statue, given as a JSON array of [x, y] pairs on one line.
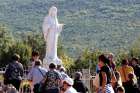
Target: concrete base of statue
[[45, 63], [48, 61]]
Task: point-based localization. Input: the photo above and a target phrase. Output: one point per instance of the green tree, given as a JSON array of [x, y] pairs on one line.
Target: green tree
[[6, 41], [23, 50], [88, 59], [135, 49], [36, 41]]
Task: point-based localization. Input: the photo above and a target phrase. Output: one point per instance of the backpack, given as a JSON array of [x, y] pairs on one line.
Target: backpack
[[12, 72]]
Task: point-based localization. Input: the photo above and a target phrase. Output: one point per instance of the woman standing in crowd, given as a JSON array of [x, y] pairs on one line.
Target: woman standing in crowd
[[52, 80], [111, 61], [78, 84], [35, 57], [104, 76], [112, 67]]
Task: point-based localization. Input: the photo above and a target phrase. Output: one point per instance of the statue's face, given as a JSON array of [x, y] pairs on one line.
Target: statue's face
[[53, 11]]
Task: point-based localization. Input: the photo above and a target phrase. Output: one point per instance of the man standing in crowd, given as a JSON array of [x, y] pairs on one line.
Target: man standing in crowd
[[14, 72], [35, 57], [52, 80]]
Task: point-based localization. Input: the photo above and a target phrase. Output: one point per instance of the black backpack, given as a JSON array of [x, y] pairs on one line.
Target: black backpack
[[11, 72]]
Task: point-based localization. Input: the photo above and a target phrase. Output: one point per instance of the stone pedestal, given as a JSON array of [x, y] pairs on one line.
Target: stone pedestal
[[48, 61]]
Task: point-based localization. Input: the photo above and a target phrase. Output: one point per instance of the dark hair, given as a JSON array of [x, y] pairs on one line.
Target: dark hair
[[130, 76], [120, 88], [107, 61], [104, 59], [38, 63], [124, 62], [117, 74], [52, 66], [135, 59], [15, 57], [35, 53]]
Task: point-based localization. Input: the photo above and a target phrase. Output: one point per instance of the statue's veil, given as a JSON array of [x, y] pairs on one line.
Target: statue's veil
[[53, 11]]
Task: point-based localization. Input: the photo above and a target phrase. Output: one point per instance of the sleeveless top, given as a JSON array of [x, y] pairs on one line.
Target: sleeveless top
[[107, 70]]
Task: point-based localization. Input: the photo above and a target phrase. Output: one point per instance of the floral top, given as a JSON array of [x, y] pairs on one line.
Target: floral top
[[52, 78]]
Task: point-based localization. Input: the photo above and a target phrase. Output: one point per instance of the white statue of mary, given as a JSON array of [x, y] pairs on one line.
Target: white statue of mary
[[51, 31]]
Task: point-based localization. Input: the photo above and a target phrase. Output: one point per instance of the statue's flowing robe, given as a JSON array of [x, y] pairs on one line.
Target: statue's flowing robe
[[51, 30]]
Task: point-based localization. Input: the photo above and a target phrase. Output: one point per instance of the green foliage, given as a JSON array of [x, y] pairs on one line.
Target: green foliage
[[135, 49], [23, 50], [67, 61], [88, 59], [122, 54], [36, 41], [9, 46], [6, 41]]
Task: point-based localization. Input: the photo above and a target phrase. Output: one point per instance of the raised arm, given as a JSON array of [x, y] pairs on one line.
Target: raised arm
[[60, 27]]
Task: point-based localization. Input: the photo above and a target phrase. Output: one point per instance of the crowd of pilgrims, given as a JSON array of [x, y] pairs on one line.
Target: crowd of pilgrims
[[108, 79]]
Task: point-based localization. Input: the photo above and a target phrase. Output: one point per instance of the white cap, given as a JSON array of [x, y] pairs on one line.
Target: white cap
[[69, 81]]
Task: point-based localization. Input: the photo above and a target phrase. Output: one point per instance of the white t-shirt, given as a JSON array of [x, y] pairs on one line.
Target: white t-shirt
[[71, 90]]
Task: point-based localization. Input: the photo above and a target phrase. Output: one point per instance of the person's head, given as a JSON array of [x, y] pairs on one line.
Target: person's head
[[78, 76], [134, 61], [130, 76], [124, 62], [58, 67], [103, 60], [53, 11], [120, 89], [35, 55], [62, 69], [38, 63], [15, 57], [68, 82], [52, 66], [110, 56], [112, 62]]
